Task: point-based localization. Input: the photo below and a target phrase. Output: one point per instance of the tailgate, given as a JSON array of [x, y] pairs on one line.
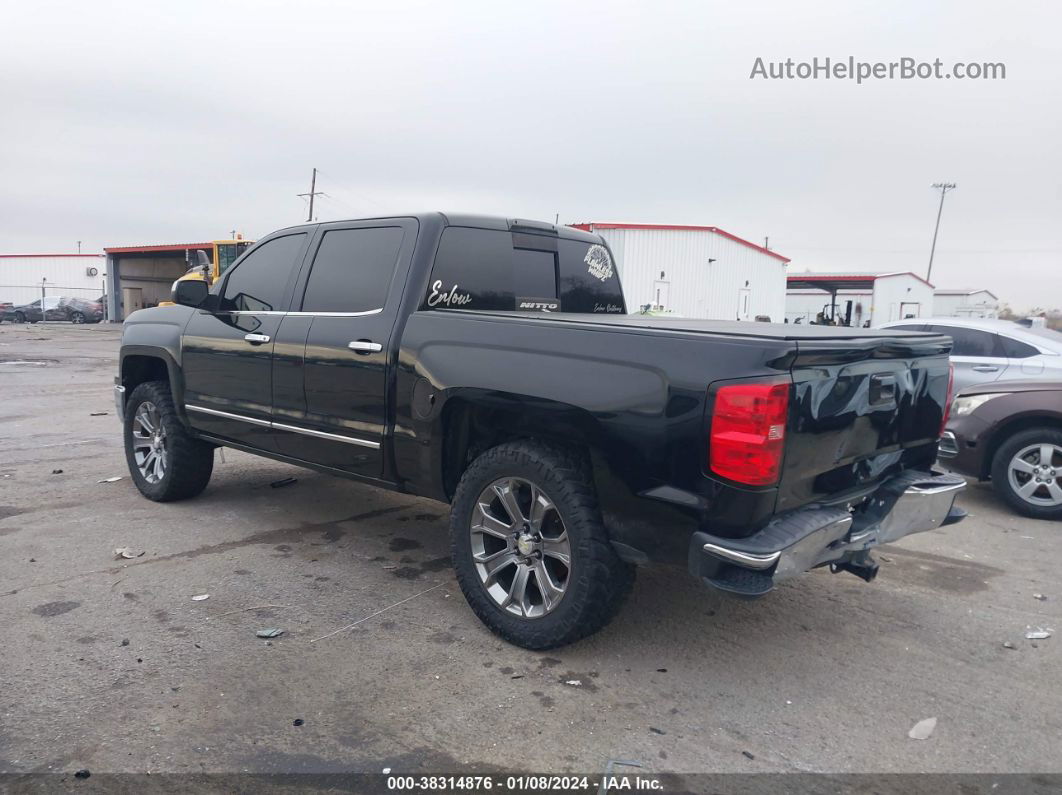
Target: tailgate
[[862, 410]]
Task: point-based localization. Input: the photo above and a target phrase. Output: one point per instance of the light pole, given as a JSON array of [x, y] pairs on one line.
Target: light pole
[[943, 187]]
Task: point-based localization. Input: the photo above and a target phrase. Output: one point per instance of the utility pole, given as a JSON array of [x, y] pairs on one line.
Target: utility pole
[[313, 192], [79, 247], [767, 242], [943, 187]]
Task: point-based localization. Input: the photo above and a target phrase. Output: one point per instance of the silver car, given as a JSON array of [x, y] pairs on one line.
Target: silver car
[[994, 350]]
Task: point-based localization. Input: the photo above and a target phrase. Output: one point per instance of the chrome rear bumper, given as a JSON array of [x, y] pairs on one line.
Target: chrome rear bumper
[[792, 544]]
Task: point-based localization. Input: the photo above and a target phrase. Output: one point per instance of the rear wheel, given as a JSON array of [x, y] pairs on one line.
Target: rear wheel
[[1027, 472], [530, 550], [165, 461], [20, 317], [77, 317]]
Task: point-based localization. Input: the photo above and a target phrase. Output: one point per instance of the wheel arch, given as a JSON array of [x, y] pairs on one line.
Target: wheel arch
[[141, 364], [1012, 425], [473, 421]]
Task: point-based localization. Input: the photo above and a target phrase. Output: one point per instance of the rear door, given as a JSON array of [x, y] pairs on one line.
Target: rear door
[[977, 355], [227, 355], [331, 374]]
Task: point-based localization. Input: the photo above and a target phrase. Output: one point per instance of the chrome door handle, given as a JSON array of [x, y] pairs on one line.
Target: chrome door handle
[[365, 346], [256, 339], [985, 368]]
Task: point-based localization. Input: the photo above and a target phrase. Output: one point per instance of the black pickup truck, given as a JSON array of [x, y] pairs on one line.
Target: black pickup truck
[[491, 364]]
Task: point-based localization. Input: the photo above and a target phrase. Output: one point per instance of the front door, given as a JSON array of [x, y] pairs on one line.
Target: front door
[[343, 316], [227, 354]]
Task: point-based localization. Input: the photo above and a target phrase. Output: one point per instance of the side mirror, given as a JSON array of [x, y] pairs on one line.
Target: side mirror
[[190, 292]]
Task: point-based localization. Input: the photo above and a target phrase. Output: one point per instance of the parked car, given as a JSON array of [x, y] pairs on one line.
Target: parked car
[[1010, 433], [491, 364], [7, 311], [60, 308], [986, 351]]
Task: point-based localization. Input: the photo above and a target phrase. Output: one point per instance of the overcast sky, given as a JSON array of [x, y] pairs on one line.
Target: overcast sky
[[144, 122]]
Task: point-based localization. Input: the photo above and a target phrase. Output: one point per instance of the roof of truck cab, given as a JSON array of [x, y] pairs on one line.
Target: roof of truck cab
[[476, 220]]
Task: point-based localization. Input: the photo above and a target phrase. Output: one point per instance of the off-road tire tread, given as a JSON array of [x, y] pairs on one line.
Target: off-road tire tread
[[1001, 461], [602, 580], [191, 460]]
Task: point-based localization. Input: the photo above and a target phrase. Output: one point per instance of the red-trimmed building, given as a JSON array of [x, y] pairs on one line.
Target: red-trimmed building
[[141, 276], [23, 276], [857, 299], [696, 271]]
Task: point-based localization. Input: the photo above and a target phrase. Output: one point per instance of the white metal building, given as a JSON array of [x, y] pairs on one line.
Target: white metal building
[[695, 271], [965, 303], [73, 275], [857, 299]]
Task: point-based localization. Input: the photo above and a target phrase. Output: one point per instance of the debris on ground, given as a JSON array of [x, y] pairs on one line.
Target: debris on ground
[[1037, 596], [574, 682], [661, 670], [1038, 634], [269, 633], [297, 722], [747, 755], [1008, 645], [83, 773], [115, 479], [201, 597], [655, 730], [57, 471], [98, 414], [127, 553], [276, 484], [922, 729], [125, 641]]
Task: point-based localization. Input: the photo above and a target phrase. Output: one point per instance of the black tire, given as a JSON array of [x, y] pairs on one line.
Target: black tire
[[597, 582], [1001, 463], [20, 317], [77, 317], [189, 462]]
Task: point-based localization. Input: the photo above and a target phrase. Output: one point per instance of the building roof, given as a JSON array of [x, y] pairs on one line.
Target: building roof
[[960, 291], [156, 247], [23, 256], [831, 282], [593, 226]]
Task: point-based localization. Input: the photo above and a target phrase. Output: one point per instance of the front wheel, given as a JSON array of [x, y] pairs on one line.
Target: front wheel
[[77, 317], [1027, 472], [165, 461], [529, 547], [20, 317]]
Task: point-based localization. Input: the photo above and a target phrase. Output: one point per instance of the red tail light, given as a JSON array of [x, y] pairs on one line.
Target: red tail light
[[748, 432], [949, 399]]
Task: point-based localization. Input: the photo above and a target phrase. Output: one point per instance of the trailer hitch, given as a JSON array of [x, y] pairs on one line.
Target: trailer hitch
[[861, 565]]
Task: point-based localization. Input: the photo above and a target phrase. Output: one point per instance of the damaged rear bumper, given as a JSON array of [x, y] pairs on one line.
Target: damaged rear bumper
[[836, 535]]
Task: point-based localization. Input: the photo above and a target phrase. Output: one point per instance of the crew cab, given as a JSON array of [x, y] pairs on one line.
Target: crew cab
[[490, 363]]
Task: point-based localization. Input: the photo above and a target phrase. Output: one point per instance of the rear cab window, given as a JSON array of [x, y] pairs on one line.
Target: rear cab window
[[494, 270]]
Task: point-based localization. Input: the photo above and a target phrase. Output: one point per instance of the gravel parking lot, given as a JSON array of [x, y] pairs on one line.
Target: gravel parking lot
[[110, 665]]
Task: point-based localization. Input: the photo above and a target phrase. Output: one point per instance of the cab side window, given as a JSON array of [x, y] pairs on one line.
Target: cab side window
[[258, 283], [352, 270]]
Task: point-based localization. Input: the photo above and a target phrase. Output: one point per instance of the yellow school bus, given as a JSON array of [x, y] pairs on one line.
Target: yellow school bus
[[224, 253]]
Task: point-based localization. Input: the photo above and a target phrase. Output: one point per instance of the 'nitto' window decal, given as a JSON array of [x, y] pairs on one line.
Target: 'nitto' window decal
[[538, 305], [598, 262], [451, 298]]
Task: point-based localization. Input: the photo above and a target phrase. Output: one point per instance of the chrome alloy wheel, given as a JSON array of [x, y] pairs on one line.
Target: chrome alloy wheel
[[149, 442], [1035, 474], [520, 547]]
